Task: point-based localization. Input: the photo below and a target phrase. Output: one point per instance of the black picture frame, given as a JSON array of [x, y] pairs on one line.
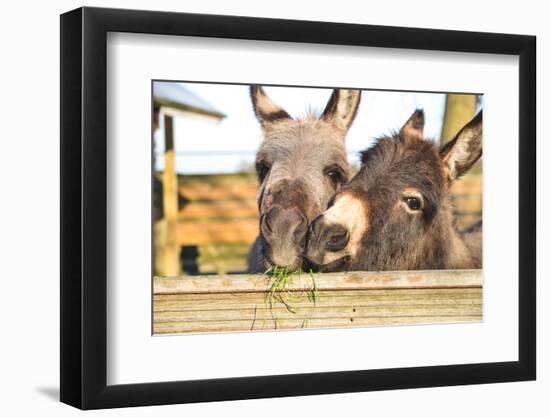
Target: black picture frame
[[84, 207]]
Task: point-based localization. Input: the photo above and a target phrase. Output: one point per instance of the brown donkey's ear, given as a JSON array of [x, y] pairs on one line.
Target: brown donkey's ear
[[414, 127], [342, 108], [465, 149], [266, 110]]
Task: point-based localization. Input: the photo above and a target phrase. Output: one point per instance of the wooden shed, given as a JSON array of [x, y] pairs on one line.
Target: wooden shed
[[172, 100]]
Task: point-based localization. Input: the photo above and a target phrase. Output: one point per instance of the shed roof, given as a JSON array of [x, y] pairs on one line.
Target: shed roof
[[174, 95]]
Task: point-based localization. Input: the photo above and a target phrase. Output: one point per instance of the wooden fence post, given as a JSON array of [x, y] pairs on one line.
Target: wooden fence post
[[170, 257]]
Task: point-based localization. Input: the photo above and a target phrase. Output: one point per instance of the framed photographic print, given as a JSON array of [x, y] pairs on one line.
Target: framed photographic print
[[257, 208]]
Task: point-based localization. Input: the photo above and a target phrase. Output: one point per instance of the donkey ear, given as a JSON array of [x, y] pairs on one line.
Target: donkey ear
[[266, 110], [342, 108], [414, 127], [465, 149]]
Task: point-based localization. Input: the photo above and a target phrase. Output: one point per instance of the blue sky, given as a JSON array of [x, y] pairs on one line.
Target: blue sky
[[207, 147]]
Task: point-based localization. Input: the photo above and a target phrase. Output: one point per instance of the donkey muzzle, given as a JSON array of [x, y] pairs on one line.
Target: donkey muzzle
[[325, 238], [284, 232]]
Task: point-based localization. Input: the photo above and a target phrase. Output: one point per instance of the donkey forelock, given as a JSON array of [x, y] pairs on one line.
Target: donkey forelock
[[301, 151], [301, 163]]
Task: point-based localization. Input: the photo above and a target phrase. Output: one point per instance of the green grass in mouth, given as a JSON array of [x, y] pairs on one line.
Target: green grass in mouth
[[278, 291]]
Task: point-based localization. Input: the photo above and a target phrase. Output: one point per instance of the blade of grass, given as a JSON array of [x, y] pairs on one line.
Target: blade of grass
[[315, 291]]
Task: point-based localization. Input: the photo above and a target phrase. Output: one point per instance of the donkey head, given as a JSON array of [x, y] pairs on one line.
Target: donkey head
[[300, 165], [396, 212]]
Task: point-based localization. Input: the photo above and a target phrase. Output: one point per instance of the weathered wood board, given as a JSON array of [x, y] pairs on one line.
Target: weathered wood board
[[355, 299]]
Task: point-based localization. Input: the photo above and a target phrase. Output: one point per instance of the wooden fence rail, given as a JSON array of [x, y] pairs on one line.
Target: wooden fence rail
[[354, 299]]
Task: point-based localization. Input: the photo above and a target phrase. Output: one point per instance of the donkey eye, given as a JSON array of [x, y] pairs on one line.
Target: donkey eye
[[335, 175], [262, 169], [413, 203]]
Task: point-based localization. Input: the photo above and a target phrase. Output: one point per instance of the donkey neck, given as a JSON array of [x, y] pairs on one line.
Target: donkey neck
[[451, 245]]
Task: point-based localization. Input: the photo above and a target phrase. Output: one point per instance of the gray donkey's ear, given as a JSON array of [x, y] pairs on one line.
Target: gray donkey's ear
[[342, 108], [266, 110], [414, 127], [465, 149]]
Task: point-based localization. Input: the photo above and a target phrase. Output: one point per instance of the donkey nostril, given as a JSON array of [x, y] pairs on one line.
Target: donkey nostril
[[337, 239], [269, 220], [301, 228], [268, 224], [314, 226]]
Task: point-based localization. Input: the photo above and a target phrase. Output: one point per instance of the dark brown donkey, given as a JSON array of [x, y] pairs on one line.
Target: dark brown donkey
[[300, 165], [396, 213]]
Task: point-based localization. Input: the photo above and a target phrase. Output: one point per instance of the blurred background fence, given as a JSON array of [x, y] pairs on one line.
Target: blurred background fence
[[218, 221]]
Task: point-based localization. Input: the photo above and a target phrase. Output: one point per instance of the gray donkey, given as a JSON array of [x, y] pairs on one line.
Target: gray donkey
[[300, 165]]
